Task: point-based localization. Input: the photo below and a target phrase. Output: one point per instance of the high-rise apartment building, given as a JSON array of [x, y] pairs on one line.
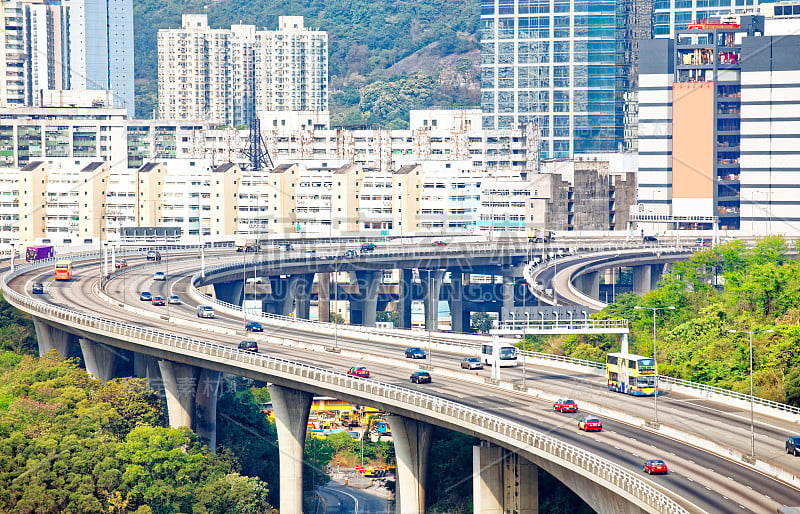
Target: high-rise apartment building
[[718, 128], [74, 44], [222, 75], [100, 36], [567, 67]]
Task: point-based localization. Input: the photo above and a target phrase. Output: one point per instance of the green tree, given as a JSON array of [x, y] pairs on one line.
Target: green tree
[[481, 321]]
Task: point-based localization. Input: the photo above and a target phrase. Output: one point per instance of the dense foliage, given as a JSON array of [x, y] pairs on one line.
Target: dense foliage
[[726, 287], [385, 57], [69, 443], [16, 330]]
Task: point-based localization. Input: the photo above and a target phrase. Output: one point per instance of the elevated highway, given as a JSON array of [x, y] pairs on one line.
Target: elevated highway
[[518, 419]]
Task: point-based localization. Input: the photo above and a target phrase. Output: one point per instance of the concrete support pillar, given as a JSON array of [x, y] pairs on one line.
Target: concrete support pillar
[[291, 408], [301, 294], [656, 271], [590, 284], [52, 338], [459, 318], [405, 292], [146, 366], [180, 383], [412, 442], [431, 287], [503, 482], [363, 308], [100, 360], [206, 402], [324, 297], [231, 292], [641, 279], [508, 292]]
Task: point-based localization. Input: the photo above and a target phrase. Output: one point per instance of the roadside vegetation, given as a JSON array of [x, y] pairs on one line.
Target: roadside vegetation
[[730, 286]]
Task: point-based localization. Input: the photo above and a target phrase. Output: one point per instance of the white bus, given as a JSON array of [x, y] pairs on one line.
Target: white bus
[[504, 354]]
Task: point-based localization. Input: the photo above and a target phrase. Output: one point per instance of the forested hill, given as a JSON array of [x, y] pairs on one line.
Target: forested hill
[[386, 56]]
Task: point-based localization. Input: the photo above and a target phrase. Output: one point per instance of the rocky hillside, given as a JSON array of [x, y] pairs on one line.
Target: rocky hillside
[[386, 57]]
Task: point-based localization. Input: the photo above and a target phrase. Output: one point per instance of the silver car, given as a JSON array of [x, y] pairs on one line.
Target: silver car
[[471, 363]]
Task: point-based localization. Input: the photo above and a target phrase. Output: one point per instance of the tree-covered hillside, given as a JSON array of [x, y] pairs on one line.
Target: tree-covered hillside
[[385, 56]]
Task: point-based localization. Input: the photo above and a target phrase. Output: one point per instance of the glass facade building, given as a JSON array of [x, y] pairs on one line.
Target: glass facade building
[[672, 15], [566, 66]]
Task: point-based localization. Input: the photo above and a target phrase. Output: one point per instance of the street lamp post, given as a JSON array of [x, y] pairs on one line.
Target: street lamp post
[[752, 413], [430, 318], [655, 369]]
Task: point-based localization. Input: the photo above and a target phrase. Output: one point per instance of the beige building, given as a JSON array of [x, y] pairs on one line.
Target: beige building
[[282, 199], [32, 183], [92, 185], [150, 181], [222, 75], [225, 182]]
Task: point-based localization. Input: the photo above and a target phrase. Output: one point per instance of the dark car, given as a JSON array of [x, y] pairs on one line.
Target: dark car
[[253, 326], [793, 445], [146, 296], [38, 288], [471, 363], [415, 353], [248, 346], [421, 377], [158, 300], [655, 467], [367, 247], [649, 239]]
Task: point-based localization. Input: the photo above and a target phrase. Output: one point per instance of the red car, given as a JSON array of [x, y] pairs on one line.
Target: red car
[[438, 243], [157, 300], [655, 467], [590, 423], [121, 264], [565, 405], [358, 371]]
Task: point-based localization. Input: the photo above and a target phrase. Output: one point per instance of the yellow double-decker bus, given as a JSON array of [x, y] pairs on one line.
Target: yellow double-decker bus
[[631, 374], [63, 270]]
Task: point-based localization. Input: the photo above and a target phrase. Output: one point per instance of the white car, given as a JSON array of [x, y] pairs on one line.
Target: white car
[[159, 275]]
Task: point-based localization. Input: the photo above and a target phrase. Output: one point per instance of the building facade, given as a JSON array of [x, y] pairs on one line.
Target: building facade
[[718, 128], [224, 76], [566, 68], [75, 44]]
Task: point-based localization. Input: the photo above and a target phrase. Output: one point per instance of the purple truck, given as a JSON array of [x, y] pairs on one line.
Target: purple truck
[[37, 253]]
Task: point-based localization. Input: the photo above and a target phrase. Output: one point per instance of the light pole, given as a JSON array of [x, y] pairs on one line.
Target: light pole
[[655, 370], [752, 414], [13, 254], [430, 318], [244, 288]]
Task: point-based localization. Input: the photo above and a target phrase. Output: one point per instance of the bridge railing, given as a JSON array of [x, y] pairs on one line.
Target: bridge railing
[[544, 325], [488, 424], [699, 389]]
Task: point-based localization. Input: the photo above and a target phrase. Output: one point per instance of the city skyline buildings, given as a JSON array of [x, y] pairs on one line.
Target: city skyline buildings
[[74, 45], [228, 75]]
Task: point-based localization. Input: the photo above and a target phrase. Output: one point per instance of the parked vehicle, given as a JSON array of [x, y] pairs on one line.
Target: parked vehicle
[[205, 311], [421, 377], [37, 253]]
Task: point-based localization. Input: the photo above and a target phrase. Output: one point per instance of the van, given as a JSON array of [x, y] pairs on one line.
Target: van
[[205, 311]]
